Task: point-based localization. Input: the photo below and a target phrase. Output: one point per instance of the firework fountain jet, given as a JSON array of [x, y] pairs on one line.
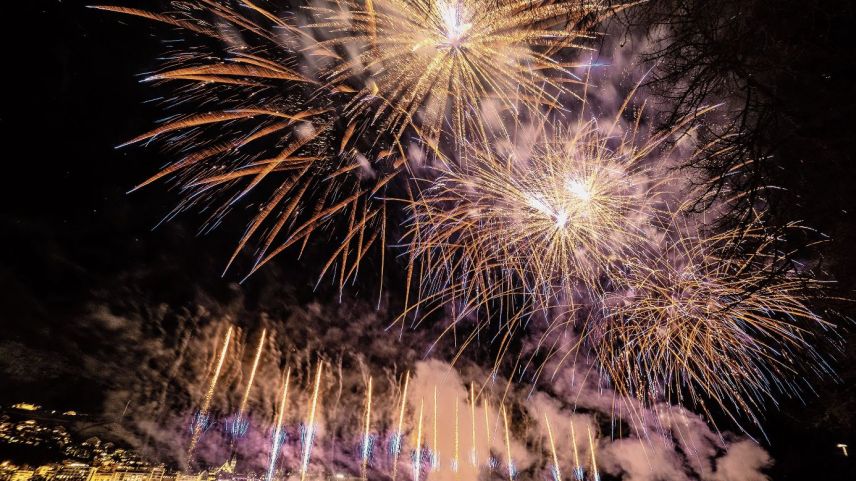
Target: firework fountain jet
[[457, 459], [435, 448], [276, 442], [474, 459], [243, 408], [367, 441], [417, 454], [399, 433], [509, 461], [206, 402], [310, 428], [579, 474], [240, 424], [594, 472], [557, 473]]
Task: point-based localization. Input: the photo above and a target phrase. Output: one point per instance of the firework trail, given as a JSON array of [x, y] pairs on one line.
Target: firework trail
[[206, 402], [276, 442], [578, 468], [554, 469], [594, 471], [508, 459], [457, 459], [310, 428], [366, 445], [473, 453], [435, 449], [243, 407], [490, 459], [397, 437], [417, 455]]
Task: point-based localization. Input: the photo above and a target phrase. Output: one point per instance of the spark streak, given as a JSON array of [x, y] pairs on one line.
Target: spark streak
[[209, 395], [309, 434], [557, 473], [367, 442], [276, 442], [399, 434], [242, 410], [594, 471], [508, 459], [417, 455]]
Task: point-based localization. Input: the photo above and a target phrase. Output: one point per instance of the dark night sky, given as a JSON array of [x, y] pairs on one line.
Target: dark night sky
[[69, 233]]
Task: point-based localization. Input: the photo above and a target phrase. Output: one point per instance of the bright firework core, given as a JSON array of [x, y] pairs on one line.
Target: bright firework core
[[455, 26]]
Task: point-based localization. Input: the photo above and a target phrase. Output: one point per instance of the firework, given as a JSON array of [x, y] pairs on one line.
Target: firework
[[456, 460], [594, 472], [435, 447], [310, 428], [507, 232], [243, 407], [554, 469], [248, 127], [722, 316], [205, 410], [253, 121], [436, 63], [473, 453], [417, 454], [399, 433], [508, 460], [366, 445], [276, 442], [579, 474]]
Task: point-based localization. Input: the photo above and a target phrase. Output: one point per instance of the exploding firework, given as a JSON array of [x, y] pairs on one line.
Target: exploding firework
[[723, 316], [436, 64], [256, 118], [509, 233]]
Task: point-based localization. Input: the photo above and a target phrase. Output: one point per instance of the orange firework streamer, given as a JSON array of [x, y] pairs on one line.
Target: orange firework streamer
[[246, 397], [209, 395], [309, 433]]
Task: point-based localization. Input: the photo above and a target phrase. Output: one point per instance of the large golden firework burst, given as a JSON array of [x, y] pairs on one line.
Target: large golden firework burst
[[446, 65]]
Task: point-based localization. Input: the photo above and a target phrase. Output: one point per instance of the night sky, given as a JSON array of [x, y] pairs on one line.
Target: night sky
[[72, 238]]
